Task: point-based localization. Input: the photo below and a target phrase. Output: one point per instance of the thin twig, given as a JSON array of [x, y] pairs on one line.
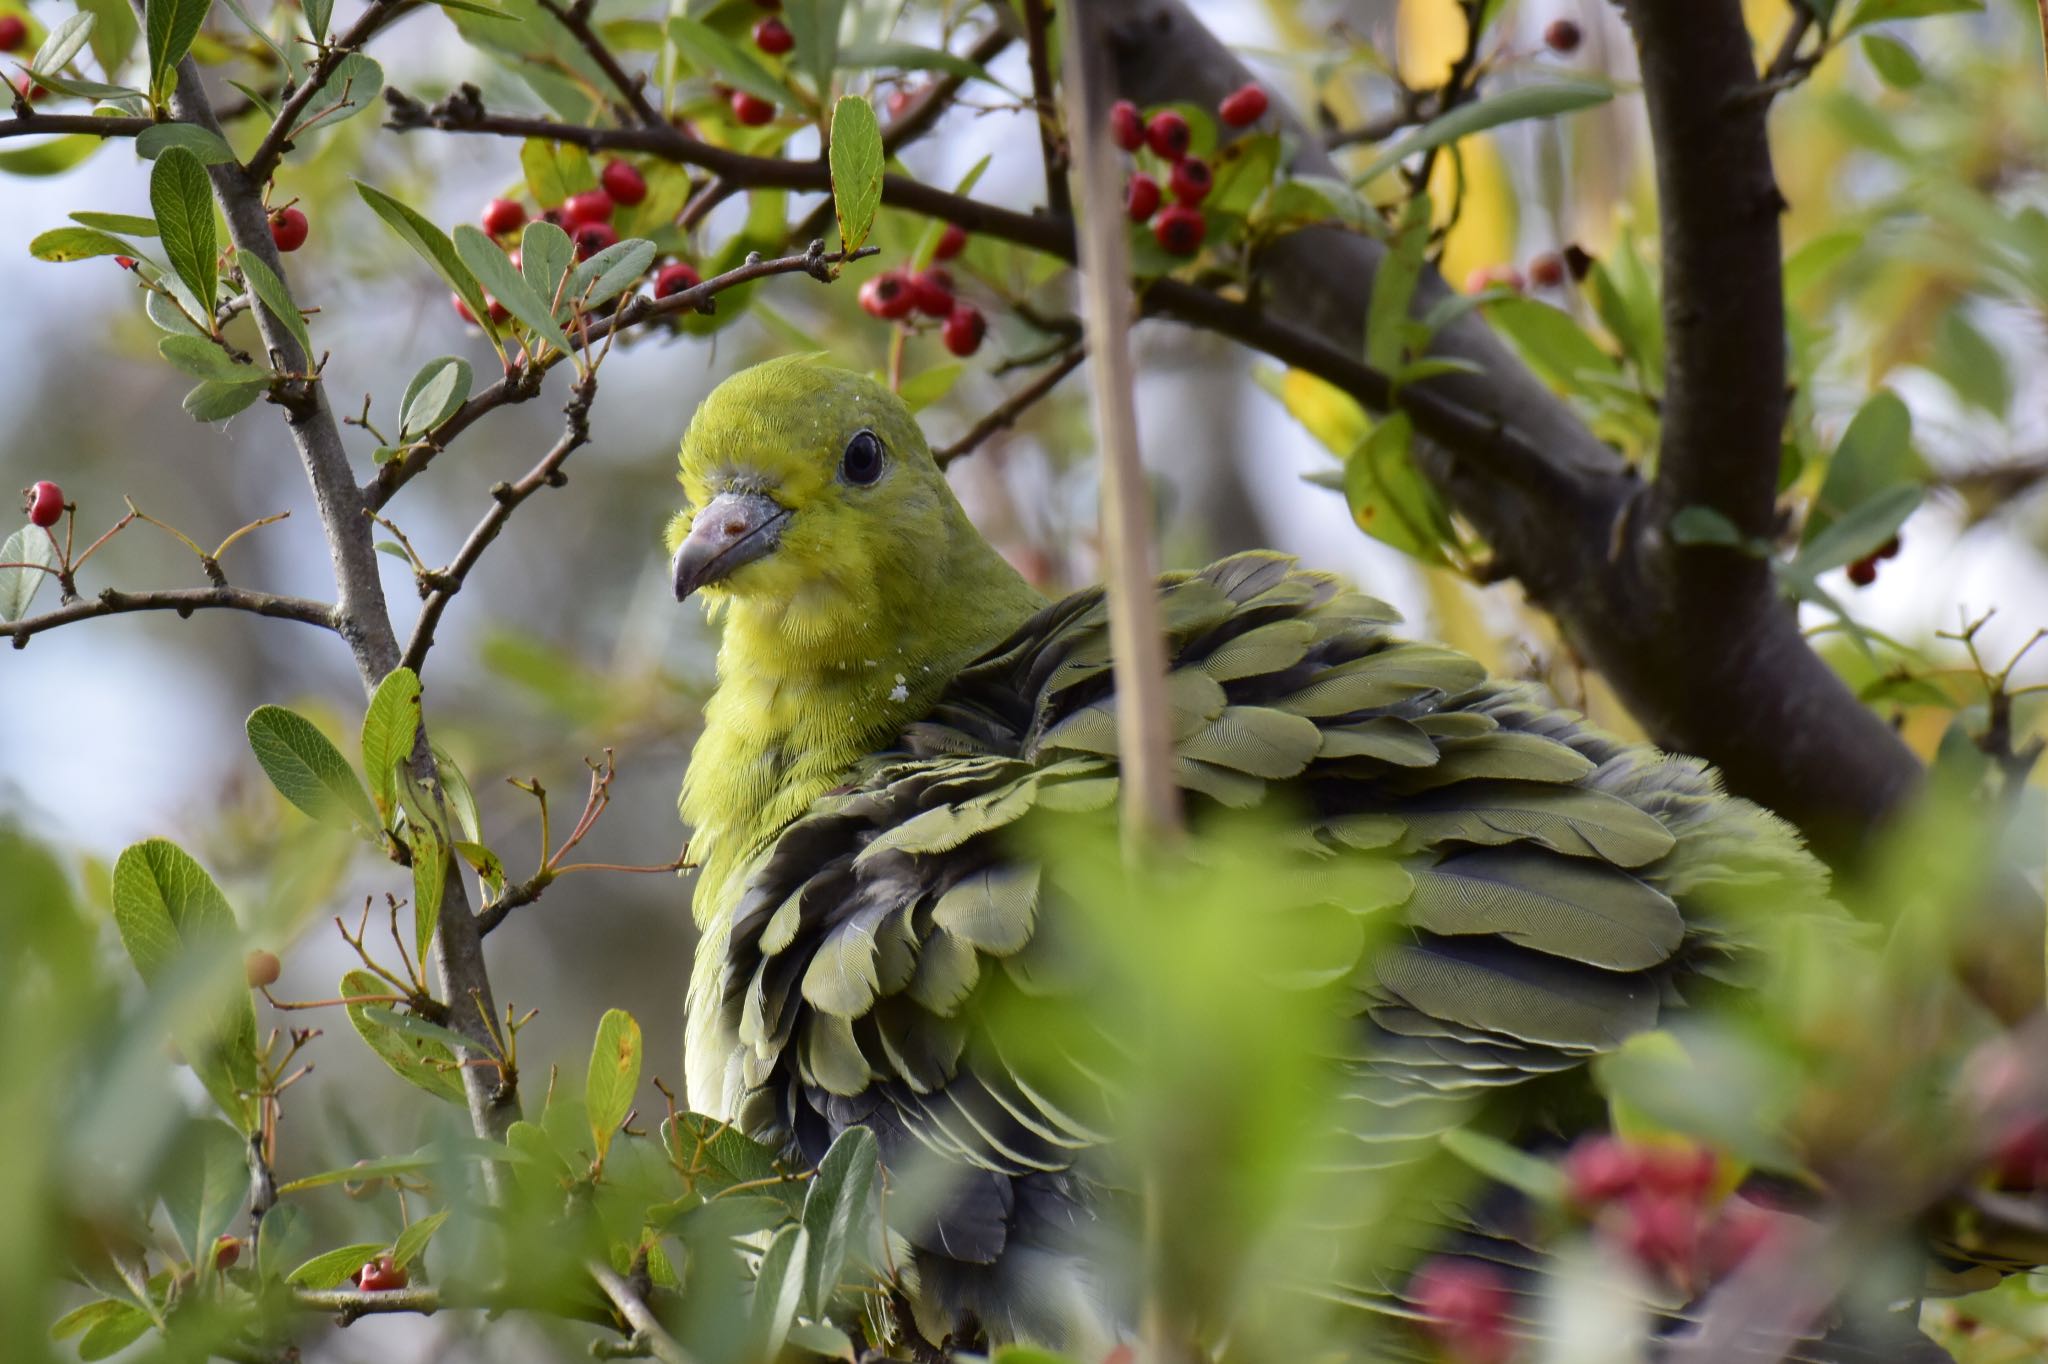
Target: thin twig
[[278, 139], [646, 1330], [1045, 105], [1005, 415], [183, 600], [576, 19]]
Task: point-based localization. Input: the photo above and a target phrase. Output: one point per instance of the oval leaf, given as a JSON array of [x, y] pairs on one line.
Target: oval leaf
[[856, 169], [614, 1076], [307, 770]]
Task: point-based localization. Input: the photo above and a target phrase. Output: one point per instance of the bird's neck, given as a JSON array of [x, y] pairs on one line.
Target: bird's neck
[[806, 690]]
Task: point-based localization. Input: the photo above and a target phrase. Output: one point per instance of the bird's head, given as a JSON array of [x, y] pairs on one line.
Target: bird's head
[[815, 506]]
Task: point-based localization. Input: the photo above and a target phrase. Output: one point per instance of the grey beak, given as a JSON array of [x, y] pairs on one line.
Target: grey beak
[[731, 530]]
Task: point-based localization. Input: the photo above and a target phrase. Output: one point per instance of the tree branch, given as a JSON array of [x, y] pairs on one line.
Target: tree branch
[[646, 1330], [183, 600], [1005, 414], [277, 141], [506, 500], [1045, 106], [576, 19], [30, 123]]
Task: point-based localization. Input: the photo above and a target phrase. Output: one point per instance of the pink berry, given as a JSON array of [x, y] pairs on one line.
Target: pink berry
[[462, 309], [13, 32], [1661, 1231], [1686, 1171], [965, 326], [623, 181], [931, 292], [1738, 1231], [1191, 180], [288, 229], [1168, 135], [44, 503], [503, 217], [889, 295], [591, 238], [591, 206], [1180, 229], [1599, 1168], [773, 37], [751, 110], [1125, 125], [675, 277], [1466, 1304], [1244, 105], [226, 1250], [1141, 197], [951, 242], [899, 101], [381, 1276]]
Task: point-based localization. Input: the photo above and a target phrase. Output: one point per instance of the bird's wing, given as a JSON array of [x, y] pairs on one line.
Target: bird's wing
[[1562, 881]]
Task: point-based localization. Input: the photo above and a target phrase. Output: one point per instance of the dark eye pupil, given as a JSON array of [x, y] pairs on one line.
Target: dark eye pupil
[[862, 462]]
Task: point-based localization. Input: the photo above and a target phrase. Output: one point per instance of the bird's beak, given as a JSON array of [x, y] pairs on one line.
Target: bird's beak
[[732, 529]]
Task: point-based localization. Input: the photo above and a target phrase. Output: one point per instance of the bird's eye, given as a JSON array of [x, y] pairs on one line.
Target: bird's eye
[[861, 464]]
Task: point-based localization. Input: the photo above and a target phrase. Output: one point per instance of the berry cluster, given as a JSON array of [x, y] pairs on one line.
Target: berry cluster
[[1657, 1204], [902, 295], [1549, 270], [44, 503], [1863, 572], [1179, 227]]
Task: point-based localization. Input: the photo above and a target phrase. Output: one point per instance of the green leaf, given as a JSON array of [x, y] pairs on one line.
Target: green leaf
[[168, 315], [412, 1242], [307, 770], [815, 25], [172, 918], [182, 200], [18, 586], [554, 171], [717, 55], [1884, 11], [1550, 341], [856, 169], [1874, 454], [1509, 106], [1393, 289], [416, 1027], [211, 149], [284, 1233], [333, 1268], [778, 1291], [425, 1062], [54, 157], [77, 243], [1972, 365], [611, 271], [1497, 1160], [114, 1332], [169, 26], [350, 88], [927, 386], [91, 1314], [216, 401], [461, 799], [277, 301], [202, 359], [1704, 526], [1388, 496], [392, 722], [1893, 61], [434, 395], [64, 42], [493, 269], [545, 256], [614, 1076], [819, 1338], [429, 882], [133, 224], [433, 246], [1862, 530], [912, 57], [113, 37], [208, 1183], [836, 1212], [318, 12]]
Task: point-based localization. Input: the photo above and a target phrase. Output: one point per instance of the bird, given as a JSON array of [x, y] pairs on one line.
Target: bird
[[895, 703]]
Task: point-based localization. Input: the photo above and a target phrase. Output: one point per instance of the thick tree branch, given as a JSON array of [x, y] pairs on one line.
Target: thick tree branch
[[183, 600], [31, 123]]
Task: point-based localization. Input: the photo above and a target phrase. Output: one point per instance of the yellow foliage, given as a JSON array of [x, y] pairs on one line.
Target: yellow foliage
[[1430, 36], [1485, 231]]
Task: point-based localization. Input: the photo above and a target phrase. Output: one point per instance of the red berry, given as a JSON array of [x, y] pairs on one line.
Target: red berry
[[1466, 1304], [591, 238], [1191, 180], [1599, 1168], [751, 110], [1546, 271], [1661, 1231], [226, 1251], [499, 312], [1864, 571], [13, 32], [888, 295], [675, 277], [288, 229], [1246, 104], [623, 181], [381, 1276], [1739, 1231], [503, 217], [951, 242], [462, 309], [1167, 135], [931, 292], [965, 326], [1141, 197], [2021, 1161], [1889, 549], [1126, 126], [1562, 36], [899, 101], [262, 968], [44, 503], [773, 37], [591, 206], [1180, 229], [125, 262], [1686, 1171]]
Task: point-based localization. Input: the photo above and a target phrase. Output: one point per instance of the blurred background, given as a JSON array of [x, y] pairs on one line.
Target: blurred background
[[1914, 168]]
